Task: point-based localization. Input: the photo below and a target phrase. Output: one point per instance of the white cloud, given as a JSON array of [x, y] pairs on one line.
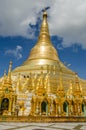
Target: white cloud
[[59, 47], [16, 15], [67, 19], [15, 52]]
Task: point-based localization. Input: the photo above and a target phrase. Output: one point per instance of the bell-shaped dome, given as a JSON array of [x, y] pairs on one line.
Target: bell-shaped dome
[[44, 48]]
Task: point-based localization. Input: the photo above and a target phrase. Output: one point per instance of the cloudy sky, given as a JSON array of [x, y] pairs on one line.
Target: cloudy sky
[[20, 22]]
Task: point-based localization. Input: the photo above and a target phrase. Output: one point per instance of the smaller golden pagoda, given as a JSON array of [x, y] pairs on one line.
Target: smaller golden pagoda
[[42, 85], [7, 94]]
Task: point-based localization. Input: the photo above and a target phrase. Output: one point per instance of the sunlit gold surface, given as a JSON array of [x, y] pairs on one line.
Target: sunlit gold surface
[[43, 85], [43, 53]]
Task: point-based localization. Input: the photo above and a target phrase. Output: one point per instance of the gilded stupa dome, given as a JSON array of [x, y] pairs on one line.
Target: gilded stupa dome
[[42, 54]]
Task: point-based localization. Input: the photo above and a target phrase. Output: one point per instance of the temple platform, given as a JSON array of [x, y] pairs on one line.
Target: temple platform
[[38, 119]]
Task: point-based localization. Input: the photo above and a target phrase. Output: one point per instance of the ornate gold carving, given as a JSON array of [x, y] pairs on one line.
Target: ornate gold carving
[[42, 86]]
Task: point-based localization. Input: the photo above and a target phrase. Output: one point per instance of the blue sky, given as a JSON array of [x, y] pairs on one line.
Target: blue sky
[[19, 28]]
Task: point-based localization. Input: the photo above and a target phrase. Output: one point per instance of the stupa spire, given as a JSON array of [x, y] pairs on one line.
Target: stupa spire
[[77, 89], [60, 90], [4, 77], [77, 82], [44, 36], [9, 72], [10, 67], [7, 85], [4, 73]]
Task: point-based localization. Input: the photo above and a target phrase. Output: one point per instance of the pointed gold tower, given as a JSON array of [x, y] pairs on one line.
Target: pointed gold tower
[[77, 89], [7, 79], [42, 54]]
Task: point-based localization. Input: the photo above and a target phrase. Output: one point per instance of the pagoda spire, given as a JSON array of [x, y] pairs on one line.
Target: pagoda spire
[[77, 83], [70, 90], [4, 77], [9, 72], [7, 82], [77, 90], [10, 67], [60, 90], [4, 74], [43, 53], [44, 36]]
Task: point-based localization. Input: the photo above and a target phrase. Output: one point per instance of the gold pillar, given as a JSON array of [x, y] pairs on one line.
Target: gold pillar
[[56, 109], [49, 108], [13, 108], [34, 107], [61, 108], [10, 105], [75, 106], [40, 108], [69, 109], [80, 108]]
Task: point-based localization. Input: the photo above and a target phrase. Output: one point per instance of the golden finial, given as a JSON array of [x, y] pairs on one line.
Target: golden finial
[[4, 73], [44, 36], [4, 77], [45, 14], [10, 67], [77, 82], [76, 78], [9, 72]]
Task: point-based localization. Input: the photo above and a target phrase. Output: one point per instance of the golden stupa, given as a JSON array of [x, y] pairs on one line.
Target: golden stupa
[[42, 85], [43, 54]]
